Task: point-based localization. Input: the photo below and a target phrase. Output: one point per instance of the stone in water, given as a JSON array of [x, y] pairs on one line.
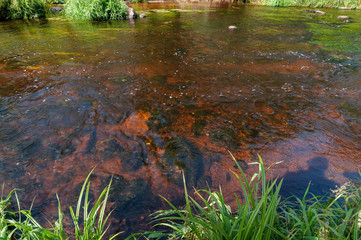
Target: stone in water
[[320, 12]]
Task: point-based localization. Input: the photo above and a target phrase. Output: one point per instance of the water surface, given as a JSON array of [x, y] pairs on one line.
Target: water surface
[[143, 100]]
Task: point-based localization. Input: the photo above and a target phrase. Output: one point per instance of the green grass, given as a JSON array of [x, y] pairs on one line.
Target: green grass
[[311, 3], [21, 9], [90, 223], [261, 214], [96, 10]]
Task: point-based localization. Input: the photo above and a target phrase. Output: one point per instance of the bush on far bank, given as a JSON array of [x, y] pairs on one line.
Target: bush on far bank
[[21, 9], [96, 10]]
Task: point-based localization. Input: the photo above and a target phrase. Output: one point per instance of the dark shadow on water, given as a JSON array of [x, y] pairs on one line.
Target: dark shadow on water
[[353, 176], [296, 183]]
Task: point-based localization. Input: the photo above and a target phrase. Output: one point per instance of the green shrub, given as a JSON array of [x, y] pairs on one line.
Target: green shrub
[[96, 10], [4, 9], [21, 9], [27, 9]]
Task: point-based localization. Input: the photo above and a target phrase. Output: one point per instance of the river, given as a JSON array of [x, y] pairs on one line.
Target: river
[[143, 100]]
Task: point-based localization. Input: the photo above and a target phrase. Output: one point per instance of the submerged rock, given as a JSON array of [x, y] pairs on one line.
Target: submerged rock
[[345, 8], [119, 80], [316, 11], [181, 155], [160, 79], [29, 147], [131, 198], [142, 15], [227, 136], [232, 27], [198, 126], [158, 120], [320, 12], [343, 17]]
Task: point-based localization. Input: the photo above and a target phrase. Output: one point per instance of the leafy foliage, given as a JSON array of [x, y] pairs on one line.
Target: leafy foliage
[[96, 10], [4, 9], [21, 9]]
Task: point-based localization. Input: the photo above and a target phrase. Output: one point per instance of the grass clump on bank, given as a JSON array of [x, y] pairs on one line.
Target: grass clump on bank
[[90, 225], [96, 10], [212, 218], [262, 214], [21, 9], [312, 3]]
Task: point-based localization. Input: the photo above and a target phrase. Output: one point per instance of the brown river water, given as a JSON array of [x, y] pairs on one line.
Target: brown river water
[[143, 100]]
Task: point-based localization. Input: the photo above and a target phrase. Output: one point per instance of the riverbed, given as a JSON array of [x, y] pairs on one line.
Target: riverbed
[[144, 100]]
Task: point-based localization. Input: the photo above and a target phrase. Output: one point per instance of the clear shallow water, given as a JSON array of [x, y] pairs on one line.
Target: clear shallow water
[[144, 100]]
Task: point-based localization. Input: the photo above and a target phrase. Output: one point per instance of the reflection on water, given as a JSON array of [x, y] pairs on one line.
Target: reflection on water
[[145, 100]]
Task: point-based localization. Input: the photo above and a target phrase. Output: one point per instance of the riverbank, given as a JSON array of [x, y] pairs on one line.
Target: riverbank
[[100, 11], [342, 4]]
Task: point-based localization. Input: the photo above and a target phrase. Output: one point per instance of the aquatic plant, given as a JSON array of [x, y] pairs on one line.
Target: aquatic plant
[[21, 9], [91, 225], [96, 10], [262, 214]]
